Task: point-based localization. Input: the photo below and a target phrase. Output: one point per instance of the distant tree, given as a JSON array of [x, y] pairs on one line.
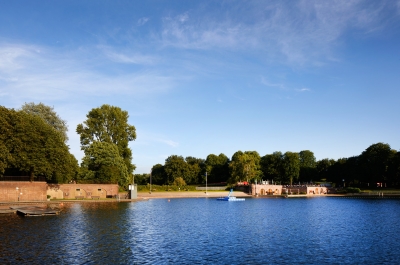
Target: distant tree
[[375, 161], [108, 124], [323, 166], [158, 175], [291, 167], [32, 146], [196, 169], [175, 167], [271, 166], [103, 164], [245, 167], [217, 168], [48, 114], [307, 165], [394, 169], [179, 182], [141, 179]]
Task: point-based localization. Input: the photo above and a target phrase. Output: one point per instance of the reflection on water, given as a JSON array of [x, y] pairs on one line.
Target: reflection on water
[[206, 231]]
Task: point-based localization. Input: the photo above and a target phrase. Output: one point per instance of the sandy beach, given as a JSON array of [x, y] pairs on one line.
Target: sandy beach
[[189, 194]]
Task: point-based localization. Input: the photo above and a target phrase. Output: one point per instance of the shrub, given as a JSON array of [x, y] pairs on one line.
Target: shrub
[[352, 190]]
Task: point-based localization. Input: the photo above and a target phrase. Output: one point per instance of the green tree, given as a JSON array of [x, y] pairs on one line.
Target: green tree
[[34, 147], [179, 182], [196, 169], [394, 169], [217, 168], [158, 175], [176, 167], [291, 167], [103, 164], [323, 167], [141, 179], [48, 114], [4, 158], [271, 166], [375, 161], [245, 166], [307, 165], [109, 124]]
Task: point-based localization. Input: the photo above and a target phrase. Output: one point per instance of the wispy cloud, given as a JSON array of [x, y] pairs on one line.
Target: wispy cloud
[[169, 142], [143, 21], [26, 75], [302, 32], [303, 89], [127, 57], [269, 84]]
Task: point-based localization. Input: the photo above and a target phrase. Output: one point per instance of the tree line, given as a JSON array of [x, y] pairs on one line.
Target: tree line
[[377, 166], [33, 142]]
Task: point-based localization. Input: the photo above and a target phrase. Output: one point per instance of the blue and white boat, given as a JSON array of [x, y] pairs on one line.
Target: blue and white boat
[[230, 198]]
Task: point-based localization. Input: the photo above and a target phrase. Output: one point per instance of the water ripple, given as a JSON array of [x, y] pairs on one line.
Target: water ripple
[[206, 231]]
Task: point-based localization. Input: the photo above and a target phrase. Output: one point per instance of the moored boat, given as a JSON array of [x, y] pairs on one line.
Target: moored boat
[[230, 198]]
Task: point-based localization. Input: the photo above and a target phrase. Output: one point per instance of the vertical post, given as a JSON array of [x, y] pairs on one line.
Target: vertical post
[[151, 170], [206, 182]]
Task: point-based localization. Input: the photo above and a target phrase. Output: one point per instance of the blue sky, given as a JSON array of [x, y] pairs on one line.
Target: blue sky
[[210, 77]]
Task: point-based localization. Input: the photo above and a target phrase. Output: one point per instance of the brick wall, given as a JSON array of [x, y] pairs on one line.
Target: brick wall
[[38, 191], [27, 191], [71, 191]]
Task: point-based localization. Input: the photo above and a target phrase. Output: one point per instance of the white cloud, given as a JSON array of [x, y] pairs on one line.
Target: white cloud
[[303, 89], [169, 142], [52, 75], [269, 84], [296, 32], [143, 21]]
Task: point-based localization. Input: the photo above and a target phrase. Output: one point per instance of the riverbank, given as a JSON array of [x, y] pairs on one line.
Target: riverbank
[[190, 194], [141, 196]]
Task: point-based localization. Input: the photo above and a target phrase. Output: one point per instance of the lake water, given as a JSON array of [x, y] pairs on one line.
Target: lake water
[[207, 231]]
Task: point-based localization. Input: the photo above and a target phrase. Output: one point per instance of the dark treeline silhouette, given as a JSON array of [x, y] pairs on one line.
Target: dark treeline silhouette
[[377, 166]]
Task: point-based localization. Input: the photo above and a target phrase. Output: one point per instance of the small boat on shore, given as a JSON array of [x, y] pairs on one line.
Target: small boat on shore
[[230, 198]]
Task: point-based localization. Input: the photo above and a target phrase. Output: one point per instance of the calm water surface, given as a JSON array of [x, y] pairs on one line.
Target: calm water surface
[[207, 231]]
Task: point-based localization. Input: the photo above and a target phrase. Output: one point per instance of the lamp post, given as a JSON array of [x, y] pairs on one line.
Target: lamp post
[[206, 183], [151, 170]]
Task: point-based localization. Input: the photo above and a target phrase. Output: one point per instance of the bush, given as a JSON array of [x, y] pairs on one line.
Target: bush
[[352, 190]]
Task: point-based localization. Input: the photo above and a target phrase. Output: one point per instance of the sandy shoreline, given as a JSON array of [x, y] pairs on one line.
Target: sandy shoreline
[[190, 194], [140, 196]]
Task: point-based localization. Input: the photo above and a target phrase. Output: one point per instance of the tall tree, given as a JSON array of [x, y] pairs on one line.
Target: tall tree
[[48, 114], [323, 166], [34, 147], [217, 168], [307, 165], [108, 124], [375, 161], [291, 167], [196, 169], [103, 164], [158, 175], [271, 166], [394, 169], [245, 166], [176, 167]]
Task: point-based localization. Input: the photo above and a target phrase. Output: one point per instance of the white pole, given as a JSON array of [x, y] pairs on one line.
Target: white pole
[[206, 182]]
